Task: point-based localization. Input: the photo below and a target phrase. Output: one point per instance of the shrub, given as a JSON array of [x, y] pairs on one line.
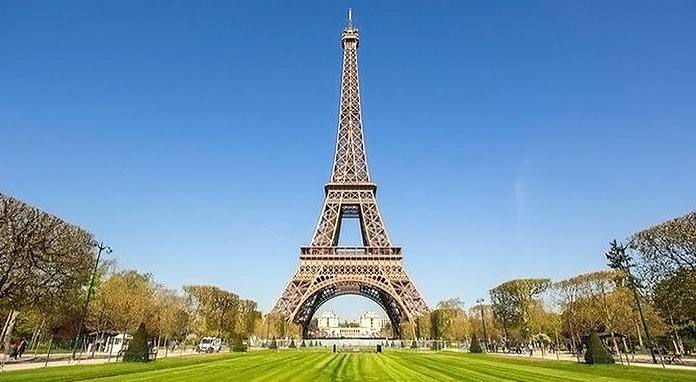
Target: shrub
[[238, 344], [292, 344], [475, 345], [138, 349], [311, 344], [303, 345], [273, 344], [414, 345], [403, 344], [596, 352]]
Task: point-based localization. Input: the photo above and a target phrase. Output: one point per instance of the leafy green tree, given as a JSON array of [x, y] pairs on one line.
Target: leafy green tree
[[138, 349], [667, 247], [449, 320], [514, 301], [292, 344], [303, 345]]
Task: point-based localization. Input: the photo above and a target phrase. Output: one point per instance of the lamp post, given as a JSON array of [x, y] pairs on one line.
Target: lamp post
[[101, 247], [480, 301]]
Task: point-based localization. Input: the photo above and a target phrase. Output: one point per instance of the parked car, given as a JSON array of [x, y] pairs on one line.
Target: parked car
[[209, 345]]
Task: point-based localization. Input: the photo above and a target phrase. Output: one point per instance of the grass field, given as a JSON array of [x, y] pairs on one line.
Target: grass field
[[316, 366]]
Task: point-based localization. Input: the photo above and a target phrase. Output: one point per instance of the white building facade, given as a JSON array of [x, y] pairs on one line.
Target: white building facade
[[369, 324]]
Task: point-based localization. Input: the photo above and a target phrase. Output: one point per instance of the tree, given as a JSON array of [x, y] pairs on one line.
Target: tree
[[448, 320], [123, 301], [623, 262], [667, 247], [138, 349], [292, 344], [42, 259], [596, 352], [218, 309], [475, 345], [513, 302]]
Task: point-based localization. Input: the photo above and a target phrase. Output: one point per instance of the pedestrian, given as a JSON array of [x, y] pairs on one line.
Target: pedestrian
[[22, 347], [15, 349]]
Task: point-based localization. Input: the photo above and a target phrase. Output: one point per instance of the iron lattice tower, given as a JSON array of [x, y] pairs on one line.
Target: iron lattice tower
[[374, 270]]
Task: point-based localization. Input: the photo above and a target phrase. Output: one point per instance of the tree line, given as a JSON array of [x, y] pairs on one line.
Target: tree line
[[656, 285], [46, 265]]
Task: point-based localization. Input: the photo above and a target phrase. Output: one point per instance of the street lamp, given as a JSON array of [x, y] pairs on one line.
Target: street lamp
[[101, 247], [480, 301]]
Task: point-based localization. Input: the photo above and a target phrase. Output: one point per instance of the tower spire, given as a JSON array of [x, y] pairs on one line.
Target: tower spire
[[350, 163]]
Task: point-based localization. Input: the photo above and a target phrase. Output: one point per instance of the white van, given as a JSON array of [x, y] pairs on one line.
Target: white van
[[209, 345], [117, 344]]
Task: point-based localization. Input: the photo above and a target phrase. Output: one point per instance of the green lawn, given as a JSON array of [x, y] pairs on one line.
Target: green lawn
[[316, 366]]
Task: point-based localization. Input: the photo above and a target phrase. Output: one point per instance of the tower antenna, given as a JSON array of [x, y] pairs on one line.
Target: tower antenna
[[350, 17]]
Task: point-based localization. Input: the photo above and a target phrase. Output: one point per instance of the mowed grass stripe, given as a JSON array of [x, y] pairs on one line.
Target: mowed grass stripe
[[185, 372], [498, 371], [453, 372], [317, 365], [403, 372], [491, 368], [89, 372]]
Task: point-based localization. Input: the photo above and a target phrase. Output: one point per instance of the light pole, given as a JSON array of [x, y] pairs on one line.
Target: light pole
[[101, 248], [480, 301]]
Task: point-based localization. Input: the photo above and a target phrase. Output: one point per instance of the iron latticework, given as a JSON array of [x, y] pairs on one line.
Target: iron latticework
[[374, 270]]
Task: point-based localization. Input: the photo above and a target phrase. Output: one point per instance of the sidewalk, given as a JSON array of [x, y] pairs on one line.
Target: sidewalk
[[63, 359], [642, 360]]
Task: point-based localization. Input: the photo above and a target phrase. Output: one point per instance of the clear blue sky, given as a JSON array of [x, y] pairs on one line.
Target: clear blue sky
[[508, 139]]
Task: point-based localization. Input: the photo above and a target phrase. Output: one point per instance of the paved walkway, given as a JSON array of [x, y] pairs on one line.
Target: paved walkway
[[63, 359], [642, 360]]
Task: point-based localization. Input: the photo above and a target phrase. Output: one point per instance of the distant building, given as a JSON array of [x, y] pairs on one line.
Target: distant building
[[327, 320], [368, 325], [373, 321]]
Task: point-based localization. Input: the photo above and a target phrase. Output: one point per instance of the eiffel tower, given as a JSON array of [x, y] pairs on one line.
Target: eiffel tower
[[375, 270]]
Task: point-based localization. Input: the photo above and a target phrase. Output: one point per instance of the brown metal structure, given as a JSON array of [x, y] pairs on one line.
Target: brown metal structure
[[374, 270]]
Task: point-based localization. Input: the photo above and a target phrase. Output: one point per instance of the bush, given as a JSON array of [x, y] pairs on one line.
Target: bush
[[414, 345], [403, 344], [238, 344], [292, 344], [273, 344], [138, 349], [596, 352], [311, 344], [475, 345], [303, 345]]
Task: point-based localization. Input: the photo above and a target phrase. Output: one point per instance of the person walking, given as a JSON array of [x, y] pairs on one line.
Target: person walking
[[15, 349], [22, 347]]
